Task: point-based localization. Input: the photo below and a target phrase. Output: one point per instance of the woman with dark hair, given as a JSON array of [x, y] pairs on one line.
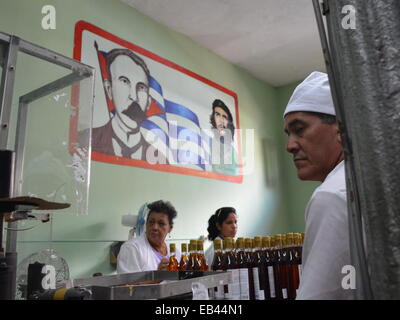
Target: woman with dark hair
[[149, 251], [222, 224]]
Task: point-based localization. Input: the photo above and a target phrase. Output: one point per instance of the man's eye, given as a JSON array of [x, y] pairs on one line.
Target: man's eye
[[124, 80], [298, 130], [141, 87]]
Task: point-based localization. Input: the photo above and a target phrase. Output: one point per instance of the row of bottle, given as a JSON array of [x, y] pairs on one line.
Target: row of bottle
[[263, 268], [195, 260]]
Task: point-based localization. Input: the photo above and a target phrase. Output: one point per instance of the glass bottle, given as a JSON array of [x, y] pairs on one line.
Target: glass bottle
[[217, 265], [225, 264], [257, 261], [267, 266], [242, 264], [301, 242], [282, 263], [298, 255], [292, 266], [250, 265], [200, 256], [193, 262], [233, 288], [184, 257], [173, 264], [236, 248]]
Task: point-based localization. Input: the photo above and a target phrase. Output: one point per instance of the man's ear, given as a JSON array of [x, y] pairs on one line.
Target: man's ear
[[107, 86], [339, 136]]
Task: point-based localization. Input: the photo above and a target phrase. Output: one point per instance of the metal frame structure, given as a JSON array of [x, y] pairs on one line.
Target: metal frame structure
[[356, 244], [174, 284], [12, 45]]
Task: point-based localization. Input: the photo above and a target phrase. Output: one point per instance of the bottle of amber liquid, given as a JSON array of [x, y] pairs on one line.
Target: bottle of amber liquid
[[257, 261], [173, 264], [184, 257], [217, 265], [242, 265], [301, 240], [293, 270], [283, 266], [225, 264], [250, 265], [192, 263], [298, 254], [200, 256], [232, 291], [267, 274], [238, 241]]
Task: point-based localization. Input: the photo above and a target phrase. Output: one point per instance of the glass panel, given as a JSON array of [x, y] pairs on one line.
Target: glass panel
[[53, 104], [50, 124]]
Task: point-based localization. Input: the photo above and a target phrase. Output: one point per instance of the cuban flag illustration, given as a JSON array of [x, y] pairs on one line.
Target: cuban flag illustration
[[179, 128], [171, 128]]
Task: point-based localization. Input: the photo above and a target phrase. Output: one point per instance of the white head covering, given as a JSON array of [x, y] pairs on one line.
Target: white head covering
[[312, 95]]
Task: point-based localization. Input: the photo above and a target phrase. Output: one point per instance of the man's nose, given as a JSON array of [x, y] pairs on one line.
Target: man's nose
[[292, 145], [133, 94]]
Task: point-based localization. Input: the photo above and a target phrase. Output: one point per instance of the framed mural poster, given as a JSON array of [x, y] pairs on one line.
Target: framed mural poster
[[152, 113]]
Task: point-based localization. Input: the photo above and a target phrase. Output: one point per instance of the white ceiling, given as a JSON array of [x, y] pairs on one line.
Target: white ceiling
[[275, 40]]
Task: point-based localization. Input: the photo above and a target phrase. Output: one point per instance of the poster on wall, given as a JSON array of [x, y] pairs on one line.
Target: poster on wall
[[152, 113]]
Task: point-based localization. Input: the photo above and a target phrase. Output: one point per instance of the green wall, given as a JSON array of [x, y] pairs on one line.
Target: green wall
[[269, 201]]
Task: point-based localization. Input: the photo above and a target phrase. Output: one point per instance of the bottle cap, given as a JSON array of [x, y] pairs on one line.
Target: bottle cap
[[184, 247], [266, 242], [248, 243], [225, 243], [200, 245], [229, 243], [217, 244], [257, 242], [284, 240], [290, 239]]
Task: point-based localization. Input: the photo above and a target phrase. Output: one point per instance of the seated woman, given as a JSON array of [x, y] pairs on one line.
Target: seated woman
[[149, 251], [222, 224]]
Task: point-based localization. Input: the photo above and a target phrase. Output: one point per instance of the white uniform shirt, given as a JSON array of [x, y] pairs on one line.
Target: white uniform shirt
[[137, 255], [326, 246]]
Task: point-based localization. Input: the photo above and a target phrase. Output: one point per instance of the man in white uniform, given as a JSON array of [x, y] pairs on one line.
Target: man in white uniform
[[315, 143]]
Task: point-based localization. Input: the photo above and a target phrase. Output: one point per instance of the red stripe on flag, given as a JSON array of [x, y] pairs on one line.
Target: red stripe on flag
[[153, 109]]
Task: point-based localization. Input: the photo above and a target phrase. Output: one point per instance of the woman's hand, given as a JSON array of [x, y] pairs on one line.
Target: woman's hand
[[163, 264]]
